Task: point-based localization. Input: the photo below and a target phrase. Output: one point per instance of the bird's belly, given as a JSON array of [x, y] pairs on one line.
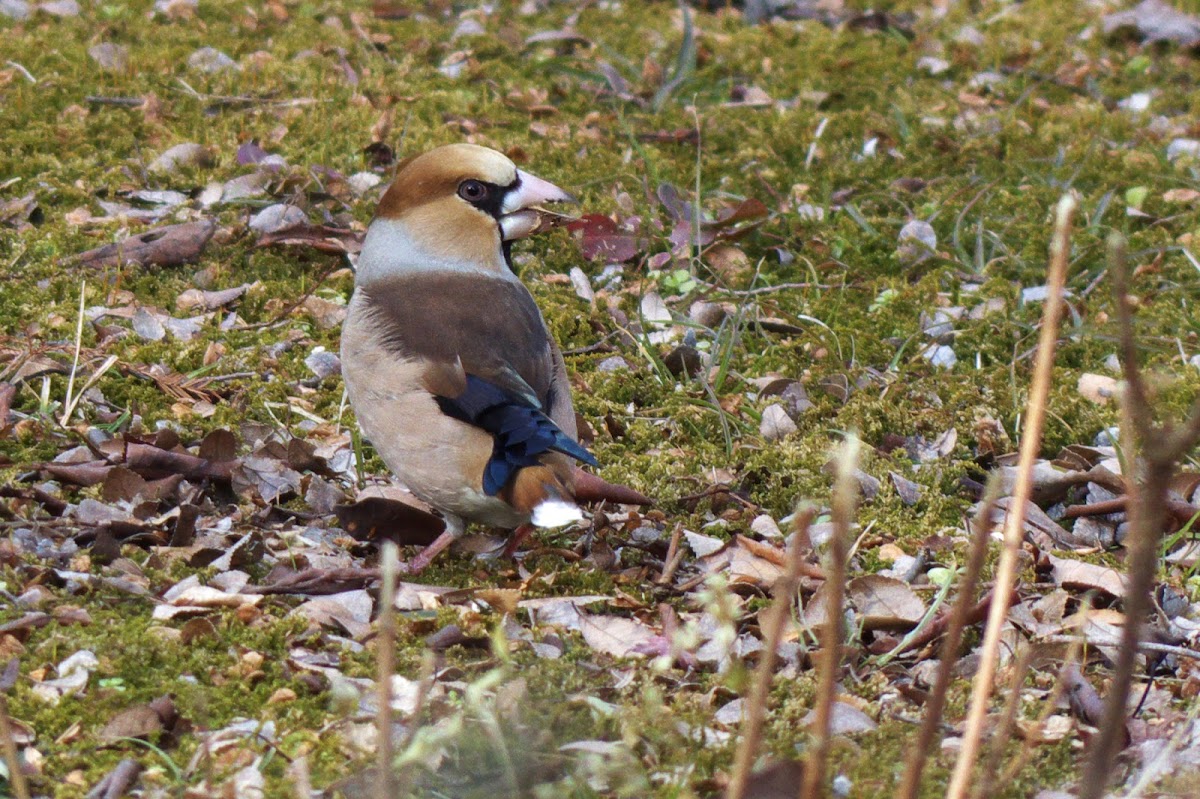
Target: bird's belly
[[438, 458]]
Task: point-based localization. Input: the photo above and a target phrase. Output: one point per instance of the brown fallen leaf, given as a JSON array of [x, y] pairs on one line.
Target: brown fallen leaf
[[885, 603], [165, 246], [591, 488], [1087, 576], [335, 241], [615, 635], [379, 519], [118, 781], [143, 722], [313, 582], [1086, 704], [777, 781], [846, 719]]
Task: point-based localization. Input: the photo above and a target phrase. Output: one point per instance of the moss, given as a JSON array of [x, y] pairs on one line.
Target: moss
[[991, 175]]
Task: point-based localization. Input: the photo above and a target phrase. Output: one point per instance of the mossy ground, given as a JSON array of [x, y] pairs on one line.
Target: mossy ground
[[1049, 126]]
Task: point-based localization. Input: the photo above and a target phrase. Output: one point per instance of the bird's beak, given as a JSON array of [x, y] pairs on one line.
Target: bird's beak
[[523, 212]]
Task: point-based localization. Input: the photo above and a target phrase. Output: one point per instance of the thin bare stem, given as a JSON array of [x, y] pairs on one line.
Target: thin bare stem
[[12, 757], [386, 653], [1153, 455], [1049, 707], [918, 754], [1031, 441], [985, 785], [845, 498], [68, 405], [756, 702]]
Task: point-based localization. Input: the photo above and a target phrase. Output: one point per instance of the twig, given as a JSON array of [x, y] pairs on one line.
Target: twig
[[20, 68], [1145, 646], [69, 405], [674, 557], [122, 102], [985, 786], [12, 757], [960, 615], [1153, 454], [424, 685], [1049, 706], [756, 702], [118, 781], [845, 490], [773, 288], [1014, 526], [385, 647]]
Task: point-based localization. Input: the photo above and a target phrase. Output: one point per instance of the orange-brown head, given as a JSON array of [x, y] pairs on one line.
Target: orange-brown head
[[456, 207]]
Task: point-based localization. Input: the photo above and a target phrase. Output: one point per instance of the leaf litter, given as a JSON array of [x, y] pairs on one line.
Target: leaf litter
[[269, 514]]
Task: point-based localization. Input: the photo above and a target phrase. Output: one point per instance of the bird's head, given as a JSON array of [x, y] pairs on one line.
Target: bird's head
[[458, 206]]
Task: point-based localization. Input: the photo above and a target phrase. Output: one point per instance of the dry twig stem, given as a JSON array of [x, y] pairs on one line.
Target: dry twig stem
[[11, 756], [1014, 523], [845, 497], [963, 604], [386, 652], [756, 702], [1153, 452]]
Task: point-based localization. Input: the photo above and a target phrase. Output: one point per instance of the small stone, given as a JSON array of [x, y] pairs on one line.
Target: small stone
[[1039, 294], [14, 9], [362, 182], [765, 526], [969, 36], [986, 80], [109, 56], [940, 356], [277, 217], [245, 187], [282, 696], [1107, 437], [918, 241], [1098, 388], [985, 308], [188, 154], [1136, 103], [468, 27], [581, 284], [796, 401], [939, 325], [210, 60], [1180, 148], [933, 65], [323, 363], [810, 213], [613, 363], [454, 65], [776, 423], [147, 326], [908, 491], [60, 8]]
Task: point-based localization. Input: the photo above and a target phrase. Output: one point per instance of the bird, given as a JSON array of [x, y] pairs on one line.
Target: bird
[[447, 361]]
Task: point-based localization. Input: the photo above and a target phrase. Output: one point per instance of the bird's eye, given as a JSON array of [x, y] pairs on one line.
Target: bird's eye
[[472, 191]]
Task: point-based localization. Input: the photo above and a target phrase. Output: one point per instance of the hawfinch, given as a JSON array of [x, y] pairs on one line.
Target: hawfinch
[[447, 361]]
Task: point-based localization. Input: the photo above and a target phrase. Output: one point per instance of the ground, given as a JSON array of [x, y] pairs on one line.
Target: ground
[[829, 135]]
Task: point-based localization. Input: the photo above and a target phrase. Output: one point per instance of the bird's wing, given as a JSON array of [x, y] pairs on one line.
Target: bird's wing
[[488, 361], [489, 327]]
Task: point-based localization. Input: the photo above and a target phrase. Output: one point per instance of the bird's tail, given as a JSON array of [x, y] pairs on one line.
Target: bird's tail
[[544, 495]]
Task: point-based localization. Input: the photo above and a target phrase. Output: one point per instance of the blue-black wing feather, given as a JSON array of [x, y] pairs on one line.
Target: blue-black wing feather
[[521, 431]]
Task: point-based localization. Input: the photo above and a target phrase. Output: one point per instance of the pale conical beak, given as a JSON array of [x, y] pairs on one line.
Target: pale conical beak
[[523, 212]]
